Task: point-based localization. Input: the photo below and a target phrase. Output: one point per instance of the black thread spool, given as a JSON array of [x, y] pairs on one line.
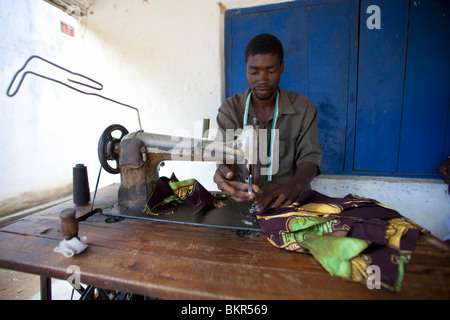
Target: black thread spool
[[81, 192]]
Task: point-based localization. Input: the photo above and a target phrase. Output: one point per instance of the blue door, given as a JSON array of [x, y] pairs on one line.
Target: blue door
[[381, 70], [402, 123], [425, 132]]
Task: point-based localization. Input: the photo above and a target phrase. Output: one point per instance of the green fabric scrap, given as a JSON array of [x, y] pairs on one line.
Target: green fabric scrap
[[334, 253], [174, 199], [301, 223], [176, 184], [402, 261], [315, 226]]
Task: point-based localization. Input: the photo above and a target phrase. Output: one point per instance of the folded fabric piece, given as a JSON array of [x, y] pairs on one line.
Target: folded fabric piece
[[346, 235], [68, 248], [169, 193]]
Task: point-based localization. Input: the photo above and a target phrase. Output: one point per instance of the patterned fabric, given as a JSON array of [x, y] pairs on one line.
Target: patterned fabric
[[169, 193], [348, 236]]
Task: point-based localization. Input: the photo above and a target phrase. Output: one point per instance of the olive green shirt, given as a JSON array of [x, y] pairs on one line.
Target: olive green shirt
[[297, 124]]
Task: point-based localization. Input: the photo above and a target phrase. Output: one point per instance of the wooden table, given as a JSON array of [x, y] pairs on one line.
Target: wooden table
[[172, 261]]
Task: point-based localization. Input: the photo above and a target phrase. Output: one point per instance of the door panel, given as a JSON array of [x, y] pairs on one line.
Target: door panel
[[427, 89], [382, 54]]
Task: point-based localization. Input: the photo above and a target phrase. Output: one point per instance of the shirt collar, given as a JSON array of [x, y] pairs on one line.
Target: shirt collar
[[284, 103]]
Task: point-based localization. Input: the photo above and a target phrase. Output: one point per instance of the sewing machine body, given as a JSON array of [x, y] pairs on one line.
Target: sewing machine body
[[140, 155]]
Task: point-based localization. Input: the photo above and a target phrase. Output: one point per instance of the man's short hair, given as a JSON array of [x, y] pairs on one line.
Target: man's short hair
[[264, 44]]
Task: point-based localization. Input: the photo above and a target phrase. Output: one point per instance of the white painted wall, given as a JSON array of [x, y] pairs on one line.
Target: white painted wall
[[165, 57], [39, 143]]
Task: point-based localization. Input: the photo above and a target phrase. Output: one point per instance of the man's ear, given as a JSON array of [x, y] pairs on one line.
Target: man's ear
[[282, 67]]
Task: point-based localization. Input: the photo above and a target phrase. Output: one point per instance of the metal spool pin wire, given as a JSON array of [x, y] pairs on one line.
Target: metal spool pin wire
[[109, 144], [98, 86]]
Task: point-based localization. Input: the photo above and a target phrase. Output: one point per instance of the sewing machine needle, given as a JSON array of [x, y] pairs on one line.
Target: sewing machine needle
[[250, 191], [250, 179]]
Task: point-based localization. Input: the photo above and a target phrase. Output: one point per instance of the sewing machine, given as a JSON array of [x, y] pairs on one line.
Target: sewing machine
[[138, 155]]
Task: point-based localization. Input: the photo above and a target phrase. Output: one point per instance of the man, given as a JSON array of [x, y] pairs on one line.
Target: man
[[296, 120], [444, 171]]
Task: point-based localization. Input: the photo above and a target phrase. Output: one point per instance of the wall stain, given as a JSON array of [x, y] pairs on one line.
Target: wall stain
[[222, 7]]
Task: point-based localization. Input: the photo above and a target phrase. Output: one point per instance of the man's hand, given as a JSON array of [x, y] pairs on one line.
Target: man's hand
[[278, 195], [238, 191], [285, 194]]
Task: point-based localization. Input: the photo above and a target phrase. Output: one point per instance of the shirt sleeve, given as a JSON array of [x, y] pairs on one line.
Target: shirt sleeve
[[307, 142], [228, 119]]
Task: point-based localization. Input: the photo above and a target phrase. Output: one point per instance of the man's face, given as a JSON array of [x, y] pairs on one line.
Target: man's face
[[263, 73]]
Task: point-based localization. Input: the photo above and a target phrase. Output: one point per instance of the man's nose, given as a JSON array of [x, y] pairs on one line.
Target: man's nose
[[262, 77]]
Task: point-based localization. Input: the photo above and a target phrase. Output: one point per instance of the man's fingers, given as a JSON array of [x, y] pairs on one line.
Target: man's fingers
[[282, 198], [275, 196], [221, 178], [238, 191], [241, 190], [264, 202], [240, 199], [226, 171], [256, 189], [225, 187]]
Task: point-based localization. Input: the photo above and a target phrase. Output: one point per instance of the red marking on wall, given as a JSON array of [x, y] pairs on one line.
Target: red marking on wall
[[67, 29]]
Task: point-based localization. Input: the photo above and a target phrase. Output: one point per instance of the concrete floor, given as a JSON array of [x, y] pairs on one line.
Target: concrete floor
[[16, 285]]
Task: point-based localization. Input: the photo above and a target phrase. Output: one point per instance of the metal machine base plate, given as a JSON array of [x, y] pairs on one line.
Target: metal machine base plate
[[233, 215]]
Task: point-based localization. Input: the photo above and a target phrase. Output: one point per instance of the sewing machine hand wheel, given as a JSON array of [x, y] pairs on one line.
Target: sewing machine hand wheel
[[108, 147]]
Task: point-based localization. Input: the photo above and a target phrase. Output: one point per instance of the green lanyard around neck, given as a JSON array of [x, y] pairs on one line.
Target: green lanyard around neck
[[272, 133]]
